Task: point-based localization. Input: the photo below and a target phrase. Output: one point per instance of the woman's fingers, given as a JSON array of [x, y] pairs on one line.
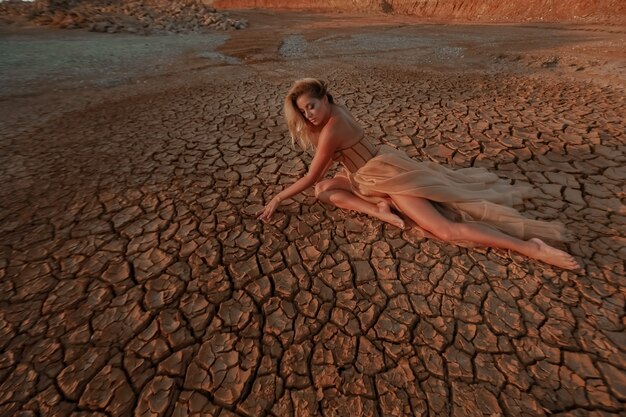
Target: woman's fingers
[[264, 215]]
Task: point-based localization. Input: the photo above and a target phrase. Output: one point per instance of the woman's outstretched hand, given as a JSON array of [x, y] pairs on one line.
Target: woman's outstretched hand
[[265, 214]]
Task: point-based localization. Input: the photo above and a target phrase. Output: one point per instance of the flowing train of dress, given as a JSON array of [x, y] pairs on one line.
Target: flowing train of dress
[[471, 194]]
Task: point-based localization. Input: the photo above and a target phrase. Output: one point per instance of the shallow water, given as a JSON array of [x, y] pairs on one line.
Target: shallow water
[[88, 55]]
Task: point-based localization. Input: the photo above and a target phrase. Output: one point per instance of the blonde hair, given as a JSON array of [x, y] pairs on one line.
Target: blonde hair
[[298, 126]]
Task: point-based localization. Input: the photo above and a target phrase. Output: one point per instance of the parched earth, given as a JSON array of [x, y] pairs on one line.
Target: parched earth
[[136, 280]]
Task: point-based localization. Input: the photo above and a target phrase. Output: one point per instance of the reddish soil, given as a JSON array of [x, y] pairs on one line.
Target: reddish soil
[[579, 11], [136, 280]]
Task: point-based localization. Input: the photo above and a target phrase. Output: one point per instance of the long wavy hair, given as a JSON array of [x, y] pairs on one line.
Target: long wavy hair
[[299, 128]]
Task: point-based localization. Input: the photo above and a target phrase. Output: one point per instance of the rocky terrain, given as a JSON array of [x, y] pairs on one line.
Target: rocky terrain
[[135, 16]]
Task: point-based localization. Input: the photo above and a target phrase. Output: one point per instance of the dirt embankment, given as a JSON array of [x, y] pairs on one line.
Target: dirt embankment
[[587, 11], [130, 16]]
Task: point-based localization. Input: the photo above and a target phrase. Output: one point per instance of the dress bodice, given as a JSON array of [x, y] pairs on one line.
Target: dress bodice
[[355, 156]]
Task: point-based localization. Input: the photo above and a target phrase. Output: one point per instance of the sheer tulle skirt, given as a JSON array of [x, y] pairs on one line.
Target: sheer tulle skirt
[[466, 194]]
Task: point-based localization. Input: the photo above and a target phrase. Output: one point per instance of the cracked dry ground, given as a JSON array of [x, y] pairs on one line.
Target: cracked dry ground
[[135, 279]]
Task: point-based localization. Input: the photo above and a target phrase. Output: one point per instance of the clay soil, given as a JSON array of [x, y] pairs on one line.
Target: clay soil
[[135, 279]]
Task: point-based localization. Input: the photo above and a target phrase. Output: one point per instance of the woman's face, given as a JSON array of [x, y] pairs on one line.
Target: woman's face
[[313, 109]]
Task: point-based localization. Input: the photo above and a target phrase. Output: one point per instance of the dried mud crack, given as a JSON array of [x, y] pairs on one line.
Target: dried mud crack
[[135, 279]]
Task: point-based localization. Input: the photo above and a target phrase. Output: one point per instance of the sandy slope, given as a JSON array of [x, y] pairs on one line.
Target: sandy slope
[[605, 11]]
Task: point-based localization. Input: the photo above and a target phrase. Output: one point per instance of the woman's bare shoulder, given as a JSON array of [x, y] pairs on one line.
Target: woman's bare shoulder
[[331, 132], [333, 135], [342, 122], [345, 127]]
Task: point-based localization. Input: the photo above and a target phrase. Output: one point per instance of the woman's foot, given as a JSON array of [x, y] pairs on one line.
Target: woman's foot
[[384, 213], [553, 256]]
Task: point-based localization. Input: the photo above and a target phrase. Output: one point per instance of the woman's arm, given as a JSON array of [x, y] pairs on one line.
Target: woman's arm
[[305, 182], [325, 171], [320, 164]]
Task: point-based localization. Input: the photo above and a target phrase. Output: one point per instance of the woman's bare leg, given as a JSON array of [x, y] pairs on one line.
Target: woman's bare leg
[[349, 201], [384, 206], [426, 216], [337, 192]]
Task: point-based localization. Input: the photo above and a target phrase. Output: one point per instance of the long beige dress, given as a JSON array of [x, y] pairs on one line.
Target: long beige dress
[[466, 194]]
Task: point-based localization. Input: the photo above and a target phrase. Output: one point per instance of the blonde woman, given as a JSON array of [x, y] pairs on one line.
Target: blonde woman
[[466, 205]]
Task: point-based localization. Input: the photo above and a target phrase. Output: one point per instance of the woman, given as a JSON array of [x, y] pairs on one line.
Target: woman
[[465, 205]]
